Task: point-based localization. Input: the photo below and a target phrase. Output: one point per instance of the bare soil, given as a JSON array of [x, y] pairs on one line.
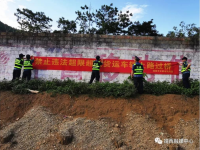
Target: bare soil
[[101, 123]]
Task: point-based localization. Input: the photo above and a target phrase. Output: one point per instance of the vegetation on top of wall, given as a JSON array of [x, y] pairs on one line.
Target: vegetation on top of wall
[[33, 22], [186, 30], [106, 20], [124, 90]]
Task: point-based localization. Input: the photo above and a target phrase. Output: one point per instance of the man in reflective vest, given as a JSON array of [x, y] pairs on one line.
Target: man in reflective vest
[[137, 75], [185, 72], [28, 67], [95, 70], [18, 66]]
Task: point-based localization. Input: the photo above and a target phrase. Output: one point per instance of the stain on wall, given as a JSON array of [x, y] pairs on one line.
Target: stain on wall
[[4, 70]]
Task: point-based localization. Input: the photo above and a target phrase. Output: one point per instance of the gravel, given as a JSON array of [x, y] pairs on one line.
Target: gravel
[[39, 129]]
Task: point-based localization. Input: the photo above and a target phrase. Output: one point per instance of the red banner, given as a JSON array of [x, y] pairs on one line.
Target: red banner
[[109, 65]]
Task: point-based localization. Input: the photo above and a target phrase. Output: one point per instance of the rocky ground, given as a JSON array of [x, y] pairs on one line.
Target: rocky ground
[[43, 122]]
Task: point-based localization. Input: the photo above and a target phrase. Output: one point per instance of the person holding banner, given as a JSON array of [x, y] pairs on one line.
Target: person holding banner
[[137, 75], [18, 66], [185, 72], [28, 67], [96, 70]]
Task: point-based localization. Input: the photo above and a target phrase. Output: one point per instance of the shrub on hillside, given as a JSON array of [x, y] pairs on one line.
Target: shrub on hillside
[[71, 87], [124, 90], [164, 87]]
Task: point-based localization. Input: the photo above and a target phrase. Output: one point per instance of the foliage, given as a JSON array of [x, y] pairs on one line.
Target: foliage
[[124, 22], [164, 87], [189, 30], [85, 19], [109, 20], [144, 75], [107, 89], [124, 90], [144, 29], [6, 28], [159, 88], [71, 87], [105, 20], [33, 22], [67, 26]]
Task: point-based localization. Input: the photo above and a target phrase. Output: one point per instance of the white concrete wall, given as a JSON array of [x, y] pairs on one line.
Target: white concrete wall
[[9, 53]]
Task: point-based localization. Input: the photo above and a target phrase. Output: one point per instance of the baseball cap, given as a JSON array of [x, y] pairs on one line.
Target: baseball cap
[[184, 58], [21, 55], [137, 58]]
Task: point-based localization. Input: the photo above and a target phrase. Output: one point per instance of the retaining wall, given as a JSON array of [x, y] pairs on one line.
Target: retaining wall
[[88, 46]]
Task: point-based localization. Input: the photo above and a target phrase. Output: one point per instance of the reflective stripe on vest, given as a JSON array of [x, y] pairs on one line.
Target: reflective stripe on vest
[[17, 63], [184, 68], [138, 69], [27, 65], [96, 65]]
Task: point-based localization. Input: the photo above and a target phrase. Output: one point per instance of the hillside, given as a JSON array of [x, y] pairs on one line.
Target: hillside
[[43, 121], [6, 28]]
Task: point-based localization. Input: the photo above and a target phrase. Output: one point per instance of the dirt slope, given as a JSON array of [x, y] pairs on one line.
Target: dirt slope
[[123, 123]]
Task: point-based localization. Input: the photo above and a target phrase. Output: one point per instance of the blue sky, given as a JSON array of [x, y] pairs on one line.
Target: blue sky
[[166, 13]]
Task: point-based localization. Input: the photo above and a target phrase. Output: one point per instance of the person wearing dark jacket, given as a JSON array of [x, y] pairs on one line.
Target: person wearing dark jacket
[[185, 72], [18, 67], [137, 75], [28, 67], [96, 70]]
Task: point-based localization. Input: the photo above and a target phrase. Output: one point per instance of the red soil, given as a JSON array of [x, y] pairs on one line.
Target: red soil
[[166, 110]]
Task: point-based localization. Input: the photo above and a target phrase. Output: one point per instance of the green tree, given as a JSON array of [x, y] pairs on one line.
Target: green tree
[[85, 19], [186, 30], [33, 22], [171, 34], [67, 26], [124, 22], [143, 29], [107, 20]]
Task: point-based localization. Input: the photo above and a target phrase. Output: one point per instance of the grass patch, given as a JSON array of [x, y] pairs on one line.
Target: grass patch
[[118, 90], [160, 88], [123, 90]]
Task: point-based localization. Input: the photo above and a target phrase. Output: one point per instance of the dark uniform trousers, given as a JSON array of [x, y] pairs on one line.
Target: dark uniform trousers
[[27, 75], [138, 82], [186, 82], [16, 74], [95, 74]]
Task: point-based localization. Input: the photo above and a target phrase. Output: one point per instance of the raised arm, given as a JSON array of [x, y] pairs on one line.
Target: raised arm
[[180, 63], [32, 60]]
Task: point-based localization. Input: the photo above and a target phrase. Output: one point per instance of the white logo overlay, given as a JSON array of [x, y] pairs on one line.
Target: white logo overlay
[[158, 140], [173, 141]]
